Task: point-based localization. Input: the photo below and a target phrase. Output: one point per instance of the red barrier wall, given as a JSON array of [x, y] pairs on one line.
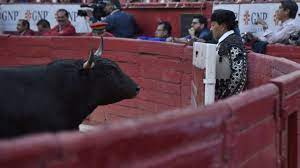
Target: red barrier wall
[[287, 51], [162, 70], [233, 133], [220, 135], [258, 128], [290, 118], [264, 69]]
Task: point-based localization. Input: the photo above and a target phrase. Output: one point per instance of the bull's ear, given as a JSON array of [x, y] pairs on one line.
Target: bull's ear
[[90, 63]]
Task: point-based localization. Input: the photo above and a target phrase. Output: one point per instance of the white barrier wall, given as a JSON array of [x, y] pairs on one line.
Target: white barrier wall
[[204, 57]]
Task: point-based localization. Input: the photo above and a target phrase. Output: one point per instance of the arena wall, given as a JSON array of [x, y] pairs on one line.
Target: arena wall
[[287, 51], [243, 131], [263, 70], [258, 128]]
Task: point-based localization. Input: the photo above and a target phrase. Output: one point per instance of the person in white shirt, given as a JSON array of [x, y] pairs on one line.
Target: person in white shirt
[[286, 14]]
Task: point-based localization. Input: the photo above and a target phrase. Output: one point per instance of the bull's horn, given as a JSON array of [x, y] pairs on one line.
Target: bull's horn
[[90, 62], [99, 51]]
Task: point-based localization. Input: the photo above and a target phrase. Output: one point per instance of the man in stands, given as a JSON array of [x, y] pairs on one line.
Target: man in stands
[[286, 14], [163, 31], [64, 26], [43, 27], [198, 32], [23, 28], [119, 23], [98, 29]]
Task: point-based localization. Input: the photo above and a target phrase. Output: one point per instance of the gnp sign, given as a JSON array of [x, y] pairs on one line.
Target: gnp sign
[[248, 14], [11, 13]]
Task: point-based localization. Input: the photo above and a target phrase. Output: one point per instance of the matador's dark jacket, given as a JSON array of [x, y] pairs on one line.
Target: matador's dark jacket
[[231, 66]]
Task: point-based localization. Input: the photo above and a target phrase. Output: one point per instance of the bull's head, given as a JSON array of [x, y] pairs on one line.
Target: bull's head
[[110, 83]]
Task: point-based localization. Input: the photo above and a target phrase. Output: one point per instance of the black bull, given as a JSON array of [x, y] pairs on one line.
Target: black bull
[[58, 96]]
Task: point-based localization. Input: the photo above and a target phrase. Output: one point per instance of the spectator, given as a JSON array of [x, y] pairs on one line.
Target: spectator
[[197, 32], [231, 67], [120, 24], [163, 31], [23, 28], [64, 26], [98, 29], [43, 27], [286, 14]]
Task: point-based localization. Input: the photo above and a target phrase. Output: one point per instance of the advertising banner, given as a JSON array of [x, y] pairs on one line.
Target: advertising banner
[[249, 13], [11, 13]]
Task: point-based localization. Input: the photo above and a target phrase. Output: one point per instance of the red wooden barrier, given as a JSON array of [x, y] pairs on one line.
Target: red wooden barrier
[[262, 68], [289, 113], [257, 128], [287, 51], [254, 134], [228, 133]]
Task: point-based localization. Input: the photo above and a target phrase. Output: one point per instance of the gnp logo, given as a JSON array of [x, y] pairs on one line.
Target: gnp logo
[[35, 15]]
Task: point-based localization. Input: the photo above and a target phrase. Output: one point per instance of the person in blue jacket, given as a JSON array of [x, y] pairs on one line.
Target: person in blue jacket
[[163, 31], [119, 23]]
